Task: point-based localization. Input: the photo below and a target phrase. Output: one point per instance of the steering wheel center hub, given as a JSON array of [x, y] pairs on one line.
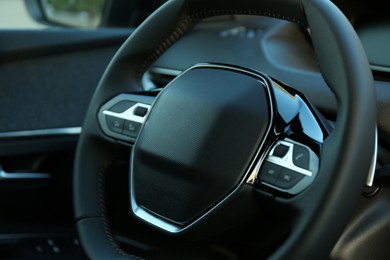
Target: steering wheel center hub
[[198, 142]]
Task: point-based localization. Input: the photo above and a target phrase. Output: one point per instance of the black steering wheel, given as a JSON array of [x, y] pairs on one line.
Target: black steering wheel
[[222, 145]]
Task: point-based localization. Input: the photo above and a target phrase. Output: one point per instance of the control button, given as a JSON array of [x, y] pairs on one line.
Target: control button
[[288, 179], [280, 150], [269, 172], [115, 124], [140, 111], [131, 128], [56, 249], [39, 249], [301, 157]]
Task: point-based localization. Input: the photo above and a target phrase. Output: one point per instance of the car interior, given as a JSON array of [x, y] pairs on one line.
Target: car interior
[[193, 129]]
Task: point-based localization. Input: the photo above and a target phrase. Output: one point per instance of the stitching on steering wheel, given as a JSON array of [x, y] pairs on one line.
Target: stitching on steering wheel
[[103, 207], [192, 20], [182, 28]]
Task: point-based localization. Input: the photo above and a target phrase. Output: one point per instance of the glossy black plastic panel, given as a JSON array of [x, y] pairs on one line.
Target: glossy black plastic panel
[[292, 162]]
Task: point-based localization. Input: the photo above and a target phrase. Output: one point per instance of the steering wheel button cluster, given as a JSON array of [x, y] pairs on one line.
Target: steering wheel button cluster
[[301, 157], [115, 124], [270, 172], [122, 117], [288, 178]]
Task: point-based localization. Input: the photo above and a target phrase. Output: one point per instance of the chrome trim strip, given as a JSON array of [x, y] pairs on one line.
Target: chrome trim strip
[[41, 132], [371, 173], [164, 71], [172, 228], [129, 114], [379, 68], [154, 220], [5, 176]]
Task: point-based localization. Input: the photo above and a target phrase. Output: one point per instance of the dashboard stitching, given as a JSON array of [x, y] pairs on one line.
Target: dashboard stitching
[[179, 31]]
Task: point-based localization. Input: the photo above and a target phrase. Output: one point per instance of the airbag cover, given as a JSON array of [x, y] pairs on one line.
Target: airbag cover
[[202, 133]]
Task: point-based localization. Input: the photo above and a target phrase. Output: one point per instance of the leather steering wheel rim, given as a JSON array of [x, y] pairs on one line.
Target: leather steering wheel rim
[[347, 152]]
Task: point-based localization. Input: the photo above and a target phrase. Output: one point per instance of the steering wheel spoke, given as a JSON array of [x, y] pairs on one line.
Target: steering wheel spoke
[[292, 162], [122, 117]]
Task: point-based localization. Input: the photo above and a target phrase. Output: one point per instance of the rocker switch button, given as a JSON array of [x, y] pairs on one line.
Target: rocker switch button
[[131, 128], [115, 124], [288, 179], [301, 157], [280, 150], [140, 111], [269, 172]]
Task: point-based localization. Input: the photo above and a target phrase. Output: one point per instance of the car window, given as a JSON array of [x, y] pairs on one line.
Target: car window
[[14, 15], [83, 14], [78, 14], [21, 14]]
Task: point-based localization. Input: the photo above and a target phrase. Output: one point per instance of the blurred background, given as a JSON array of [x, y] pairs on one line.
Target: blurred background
[[14, 14], [72, 13]]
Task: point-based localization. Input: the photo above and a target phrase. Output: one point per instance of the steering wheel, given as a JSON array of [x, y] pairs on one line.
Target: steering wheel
[[221, 145]]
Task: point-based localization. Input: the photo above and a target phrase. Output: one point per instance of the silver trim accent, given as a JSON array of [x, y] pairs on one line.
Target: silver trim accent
[[165, 71], [4, 176], [129, 113], [371, 172], [253, 176], [42, 132], [169, 227], [154, 220], [379, 68]]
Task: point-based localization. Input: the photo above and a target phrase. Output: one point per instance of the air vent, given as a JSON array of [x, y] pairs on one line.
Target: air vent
[[381, 73], [157, 78]]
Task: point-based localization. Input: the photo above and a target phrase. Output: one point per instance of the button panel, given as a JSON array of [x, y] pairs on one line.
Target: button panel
[[290, 167], [123, 116]]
